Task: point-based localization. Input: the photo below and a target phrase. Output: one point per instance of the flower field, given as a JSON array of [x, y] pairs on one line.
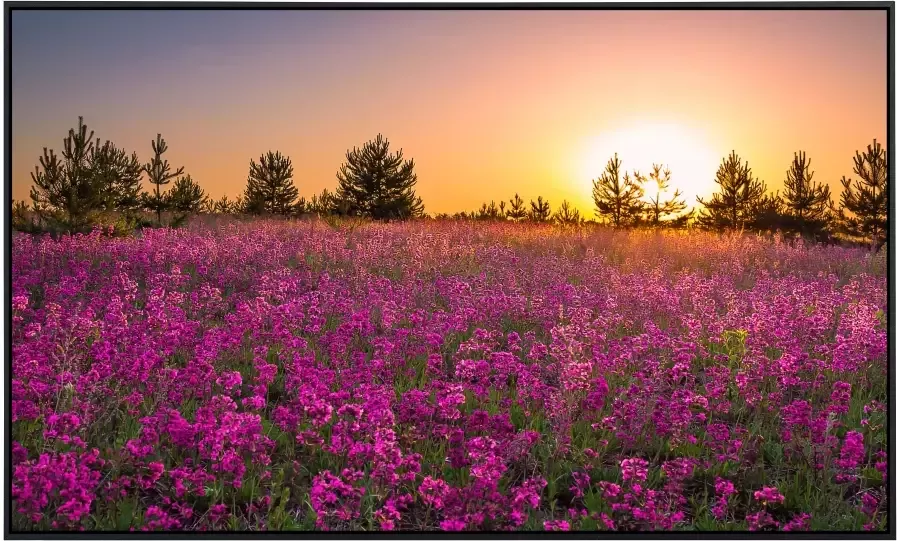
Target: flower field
[[446, 376]]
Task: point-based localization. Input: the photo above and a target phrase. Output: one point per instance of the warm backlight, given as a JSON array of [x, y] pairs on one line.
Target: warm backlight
[[689, 158]]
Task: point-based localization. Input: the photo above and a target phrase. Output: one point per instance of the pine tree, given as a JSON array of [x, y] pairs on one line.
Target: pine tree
[[567, 215], [160, 174], [269, 187], [224, 206], [682, 221], [326, 203], [321, 204], [738, 196], [489, 212], [375, 183], [617, 199], [21, 216], [253, 200], [517, 209], [238, 205], [119, 174], [208, 206], [767, 213], [804, 199], [656, 208], [300, 207], [67, 192], [864, 203], [186, 196], [806, 204], [540, 211]]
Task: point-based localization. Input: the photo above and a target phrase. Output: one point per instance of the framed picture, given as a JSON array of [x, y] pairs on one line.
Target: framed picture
[[448, 268]]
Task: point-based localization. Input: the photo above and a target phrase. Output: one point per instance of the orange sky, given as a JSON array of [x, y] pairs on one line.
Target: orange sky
[[487, 103]]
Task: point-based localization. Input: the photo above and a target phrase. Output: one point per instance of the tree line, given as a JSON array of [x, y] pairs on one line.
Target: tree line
[[741, 201], [73, 189], [89, 178]]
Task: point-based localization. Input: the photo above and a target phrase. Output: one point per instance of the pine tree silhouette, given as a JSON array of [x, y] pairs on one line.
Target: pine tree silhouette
[[160, 174], [375, 183], [67, 192], [516, 209], [567, 215], [767, 213], [238, 205], [540, 211], [738, 197], [657, 208], [864, 203], [321, 204], [208, 206], [186, 196], [269, 187], [119, 175], [224, 205], [21, 217], [490, 212], [806, 204], [617, 199]]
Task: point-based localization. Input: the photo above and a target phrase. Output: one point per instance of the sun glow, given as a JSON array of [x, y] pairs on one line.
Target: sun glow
[[691, 161]]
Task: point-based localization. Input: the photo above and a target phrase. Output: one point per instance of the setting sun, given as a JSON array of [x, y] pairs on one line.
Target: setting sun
[[691, 160]]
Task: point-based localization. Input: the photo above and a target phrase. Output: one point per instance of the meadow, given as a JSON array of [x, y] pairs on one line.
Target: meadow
[[446, 376]]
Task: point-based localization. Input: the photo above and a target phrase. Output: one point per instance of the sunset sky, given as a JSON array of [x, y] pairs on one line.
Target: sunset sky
[[487, 103]]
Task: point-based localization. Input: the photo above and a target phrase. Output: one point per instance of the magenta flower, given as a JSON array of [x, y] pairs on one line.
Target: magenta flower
[[634, 469], [452, 525], [768, 495], [556, 525], [853, 452]]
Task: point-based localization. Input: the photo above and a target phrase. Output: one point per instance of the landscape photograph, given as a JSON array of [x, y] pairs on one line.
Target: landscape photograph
[[456, 268]]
